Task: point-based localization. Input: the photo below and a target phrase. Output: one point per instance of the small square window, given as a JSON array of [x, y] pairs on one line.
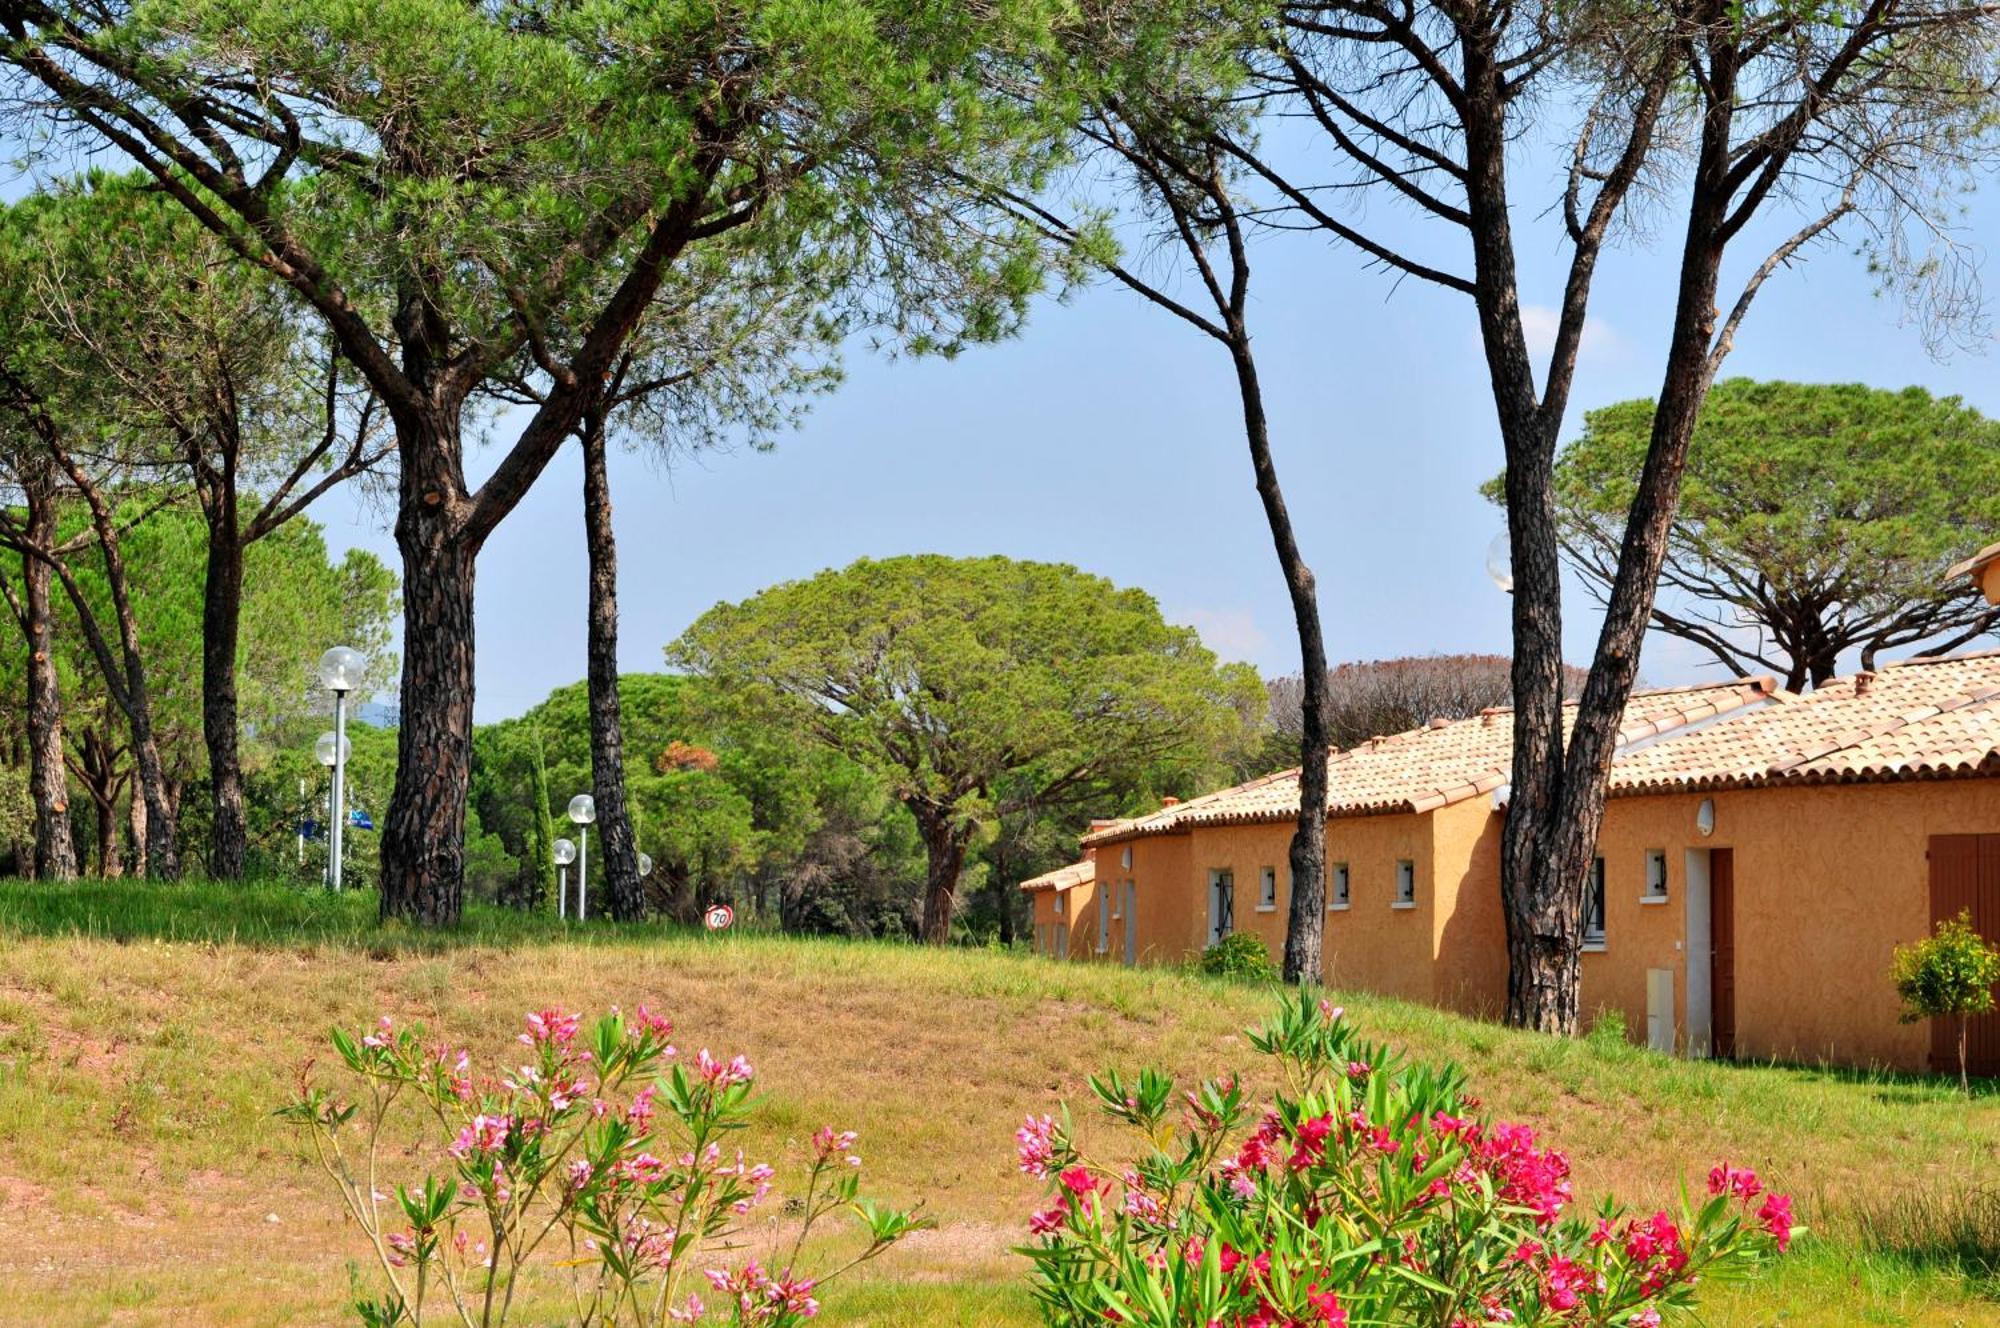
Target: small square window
[[1336, 893], [1656, 877], [1406, 884], [1593, 915], [1267, 890]]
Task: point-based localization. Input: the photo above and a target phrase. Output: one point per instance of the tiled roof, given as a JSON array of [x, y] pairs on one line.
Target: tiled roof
[[1920, 719], [1431, 767], [1974, 563], [1063, 878]]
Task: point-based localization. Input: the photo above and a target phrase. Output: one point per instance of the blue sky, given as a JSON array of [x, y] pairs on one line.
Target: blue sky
[[1107, 436]]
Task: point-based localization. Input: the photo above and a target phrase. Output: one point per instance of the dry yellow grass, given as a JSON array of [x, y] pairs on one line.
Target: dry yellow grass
[[143, 1180]]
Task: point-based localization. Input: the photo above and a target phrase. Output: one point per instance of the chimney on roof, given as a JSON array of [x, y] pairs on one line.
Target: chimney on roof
[[1439, 721], [1863, 681], [1486, 716], [1170, 801]]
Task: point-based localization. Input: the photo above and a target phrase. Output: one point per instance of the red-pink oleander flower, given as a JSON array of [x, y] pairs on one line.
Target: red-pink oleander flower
[[1036, 1145], [1776, 1215], [1743, 1183], [1327, 1306], [382, 1036]]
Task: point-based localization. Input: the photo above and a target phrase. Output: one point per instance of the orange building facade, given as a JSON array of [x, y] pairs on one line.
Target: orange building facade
[[1762, 855]]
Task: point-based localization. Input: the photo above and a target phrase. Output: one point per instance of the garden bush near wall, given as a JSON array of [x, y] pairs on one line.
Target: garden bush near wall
[[1238, 955], [583, 1175], [1369, 1192]]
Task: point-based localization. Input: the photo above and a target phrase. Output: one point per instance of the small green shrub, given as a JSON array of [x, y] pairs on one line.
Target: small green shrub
[[1240, 956], [1947, 975]]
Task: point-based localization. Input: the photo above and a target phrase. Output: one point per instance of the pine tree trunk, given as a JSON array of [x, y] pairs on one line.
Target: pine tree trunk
[[423, 838], [623, 889], [48, 777], [221, 617], [944, 853], [1305, 928]]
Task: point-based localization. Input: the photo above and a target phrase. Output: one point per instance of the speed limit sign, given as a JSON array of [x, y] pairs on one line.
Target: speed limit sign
[[718, 917]]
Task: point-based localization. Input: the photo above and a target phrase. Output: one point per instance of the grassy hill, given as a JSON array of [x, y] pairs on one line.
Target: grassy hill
[[147, 1032]]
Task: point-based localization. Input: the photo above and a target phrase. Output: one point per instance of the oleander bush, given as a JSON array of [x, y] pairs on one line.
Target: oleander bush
[[1369, 1191], [600, 1163]]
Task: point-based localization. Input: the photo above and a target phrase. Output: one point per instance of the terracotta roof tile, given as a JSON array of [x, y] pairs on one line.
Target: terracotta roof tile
[[1065, 878], [1430, 767], [1923, 718]]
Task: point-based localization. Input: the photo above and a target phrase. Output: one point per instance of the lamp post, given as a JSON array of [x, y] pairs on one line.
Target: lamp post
[[645, 865], [565, 855], [330, 750], [340, 672], [582, 811]]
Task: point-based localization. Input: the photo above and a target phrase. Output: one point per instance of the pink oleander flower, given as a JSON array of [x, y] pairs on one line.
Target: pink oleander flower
[[1742, 1183], [1045, 1220], [381, 1037], [719, 1075], [1327, 1305], [1036, 1145], [486, 1134], [1776, 1215], [551, 1027], [829, 1144]]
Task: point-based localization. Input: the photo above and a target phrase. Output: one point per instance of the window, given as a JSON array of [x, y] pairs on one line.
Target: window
[[1125, 859], [1336, 893], [1104, 918], [1656, 877], [1406, 885], [1267, 890], [1059, 903], [1593, 913], [1221, 903]]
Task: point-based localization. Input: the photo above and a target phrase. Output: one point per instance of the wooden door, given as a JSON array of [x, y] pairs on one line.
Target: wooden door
[[1965, 878], [1722, 952]]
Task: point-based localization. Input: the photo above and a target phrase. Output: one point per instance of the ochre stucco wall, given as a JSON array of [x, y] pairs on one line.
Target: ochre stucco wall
[[1829, 880], [1470, 930]]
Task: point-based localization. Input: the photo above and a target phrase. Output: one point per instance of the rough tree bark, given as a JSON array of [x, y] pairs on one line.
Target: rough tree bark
[[229, 537], [48, 777], [1305, 928], [221, 619], [124, 674], [944, 860], [622, 887]]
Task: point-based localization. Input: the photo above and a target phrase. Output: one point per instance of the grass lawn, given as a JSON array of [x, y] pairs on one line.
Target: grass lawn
[[147, 1032]]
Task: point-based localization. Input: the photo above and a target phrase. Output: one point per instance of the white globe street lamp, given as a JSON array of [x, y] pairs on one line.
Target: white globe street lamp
[[645, 865], [565, 855], [582, 811], [339, 671], [331, 749], [1500, 562]]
